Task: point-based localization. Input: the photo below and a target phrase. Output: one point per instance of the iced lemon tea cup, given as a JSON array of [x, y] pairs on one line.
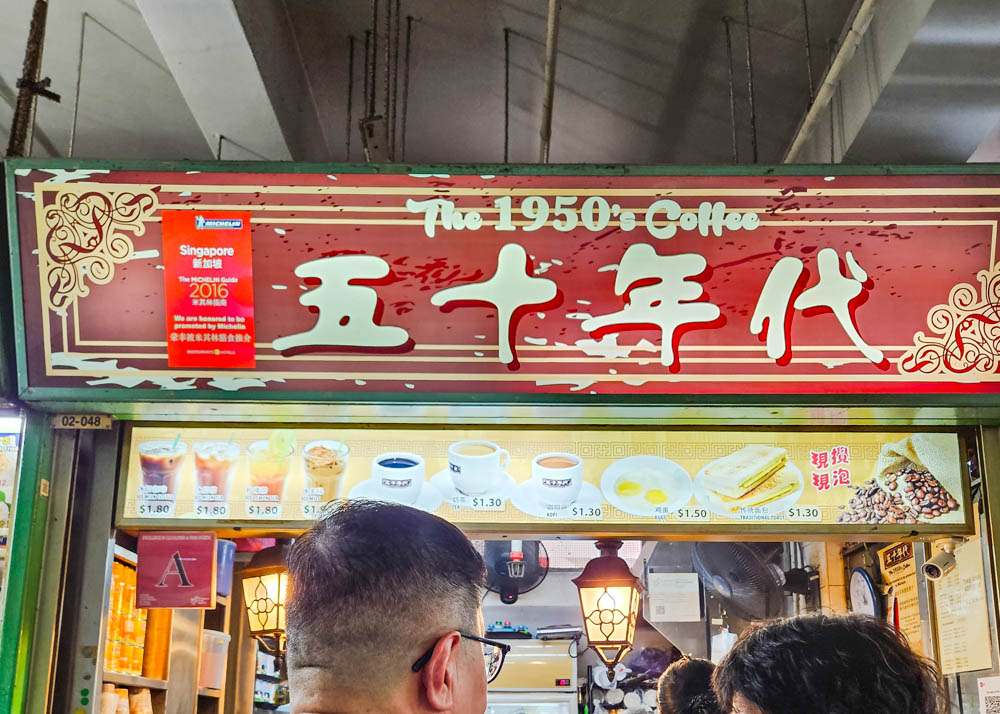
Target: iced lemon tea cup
[[269, 466]]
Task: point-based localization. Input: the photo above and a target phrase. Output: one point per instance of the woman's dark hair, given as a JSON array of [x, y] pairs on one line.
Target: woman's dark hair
[[686, 688], [828, 664]]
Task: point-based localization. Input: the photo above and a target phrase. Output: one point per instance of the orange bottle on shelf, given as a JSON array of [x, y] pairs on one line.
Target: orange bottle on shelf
[[115, 604], [135, 666], [111, 655], [124, 657], [157, 644]]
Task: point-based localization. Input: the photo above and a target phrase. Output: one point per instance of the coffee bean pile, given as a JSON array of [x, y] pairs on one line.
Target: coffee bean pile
[[910, 494], [926, 495], [870, 504]]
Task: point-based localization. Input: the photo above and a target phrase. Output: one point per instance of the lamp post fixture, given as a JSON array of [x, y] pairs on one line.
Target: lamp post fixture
[[265, 589], [609, 598]]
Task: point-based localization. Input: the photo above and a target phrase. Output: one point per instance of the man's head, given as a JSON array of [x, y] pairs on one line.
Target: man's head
[[372, 587], [826, 663]]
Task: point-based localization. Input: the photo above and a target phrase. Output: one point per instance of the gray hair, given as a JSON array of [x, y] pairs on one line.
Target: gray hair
[[376, 583]]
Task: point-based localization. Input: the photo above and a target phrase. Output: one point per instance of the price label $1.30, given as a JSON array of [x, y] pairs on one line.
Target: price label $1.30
[[586, 513], [807, 514]]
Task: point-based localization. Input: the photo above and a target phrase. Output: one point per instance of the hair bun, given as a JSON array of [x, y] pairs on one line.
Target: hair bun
[[704, 703]]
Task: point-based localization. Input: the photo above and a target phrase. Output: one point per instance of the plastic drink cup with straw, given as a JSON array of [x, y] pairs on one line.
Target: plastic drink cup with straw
[[214, 464], [270, 462], [161, 462], [324, 463]]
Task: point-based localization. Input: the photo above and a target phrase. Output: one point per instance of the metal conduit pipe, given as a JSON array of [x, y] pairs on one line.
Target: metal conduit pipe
[[732, 87], [373, 67], [750, 100], [350, 96], [22, 125], [506, 95], [551, 40], [847, 48], [393, 123], [406, 86]]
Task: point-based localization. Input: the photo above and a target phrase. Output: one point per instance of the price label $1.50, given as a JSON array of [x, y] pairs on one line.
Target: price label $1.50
[[692, 514]]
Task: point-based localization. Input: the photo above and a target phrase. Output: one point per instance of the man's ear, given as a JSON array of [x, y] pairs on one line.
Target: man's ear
[[439, 674]]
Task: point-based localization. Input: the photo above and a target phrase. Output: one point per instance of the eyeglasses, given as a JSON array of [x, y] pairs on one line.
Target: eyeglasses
[[494, 654]]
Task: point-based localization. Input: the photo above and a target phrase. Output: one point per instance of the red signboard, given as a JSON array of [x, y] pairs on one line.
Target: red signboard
[[439, 285], [176, 570], [208, 283]]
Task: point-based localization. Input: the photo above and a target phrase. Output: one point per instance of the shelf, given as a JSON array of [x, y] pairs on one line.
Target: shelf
[[210, 693], [222, 600], [126, 555], [269, 678], [265, 705], [130, 680]]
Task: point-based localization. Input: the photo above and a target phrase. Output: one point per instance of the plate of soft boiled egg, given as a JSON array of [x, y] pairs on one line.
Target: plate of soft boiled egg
[[646, 486]]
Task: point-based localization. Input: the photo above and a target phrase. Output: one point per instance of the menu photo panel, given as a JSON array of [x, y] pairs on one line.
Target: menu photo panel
[[586, 479]]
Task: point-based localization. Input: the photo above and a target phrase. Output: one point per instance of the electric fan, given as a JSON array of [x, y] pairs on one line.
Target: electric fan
[[748, 580]]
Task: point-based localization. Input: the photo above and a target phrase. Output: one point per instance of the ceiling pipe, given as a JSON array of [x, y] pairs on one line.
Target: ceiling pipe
[[551, 40], [367, 71], [388, 64], [750, 99], [393, 117], [350, 96], [373, 67], [406, 87], [847, 48], [79, 80], [809, 57], [29, 86], [726, 22], [506, 95]]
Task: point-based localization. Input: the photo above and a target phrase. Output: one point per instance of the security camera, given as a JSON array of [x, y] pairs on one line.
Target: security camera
[[944, 562]]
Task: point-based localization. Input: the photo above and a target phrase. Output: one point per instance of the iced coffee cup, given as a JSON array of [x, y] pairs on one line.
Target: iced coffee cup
[[269, 465], [160, 462], [324, 463], [214, 464]]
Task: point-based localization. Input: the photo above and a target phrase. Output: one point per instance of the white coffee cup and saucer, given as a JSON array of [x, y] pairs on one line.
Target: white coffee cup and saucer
[[398, 477], [476, 469], [556, 487]]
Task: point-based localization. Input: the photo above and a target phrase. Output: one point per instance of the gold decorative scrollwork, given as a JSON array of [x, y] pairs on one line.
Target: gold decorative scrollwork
[[966, 343], [85, 238]]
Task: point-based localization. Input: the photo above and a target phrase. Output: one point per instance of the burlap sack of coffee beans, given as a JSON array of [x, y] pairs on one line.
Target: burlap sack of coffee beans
[[924, 470]]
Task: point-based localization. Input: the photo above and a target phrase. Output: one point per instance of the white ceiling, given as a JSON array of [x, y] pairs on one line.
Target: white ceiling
[[130, 105], [638, 81]]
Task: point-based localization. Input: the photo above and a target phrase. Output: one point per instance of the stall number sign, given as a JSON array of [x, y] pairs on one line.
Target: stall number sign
[[82, 421]]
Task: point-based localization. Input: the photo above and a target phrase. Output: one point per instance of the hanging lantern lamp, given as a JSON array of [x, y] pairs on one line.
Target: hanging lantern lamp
[[265, 590], [609, 598]]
